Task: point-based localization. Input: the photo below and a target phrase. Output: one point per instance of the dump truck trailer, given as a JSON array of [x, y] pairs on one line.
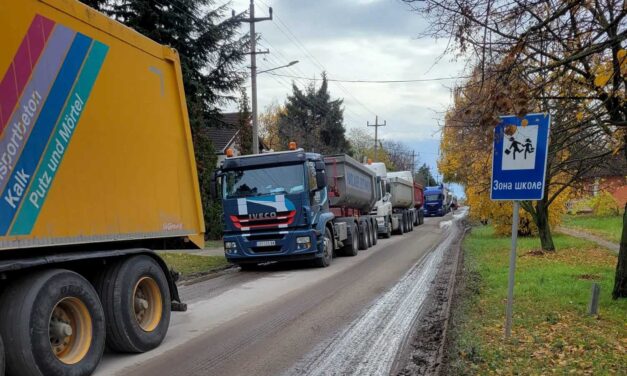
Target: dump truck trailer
[[402, 191], [96, 172], [295, 205]]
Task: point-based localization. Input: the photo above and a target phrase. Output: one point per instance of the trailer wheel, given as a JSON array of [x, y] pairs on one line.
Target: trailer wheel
[[54, 324], [352, 248], [388, 227], [363, 236], [327, 251], [1, 357], [401, 225], [410, 221], [136, 301], [373, 231]]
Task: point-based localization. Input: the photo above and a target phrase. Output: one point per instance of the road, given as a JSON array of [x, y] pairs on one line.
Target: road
[[296, 319]]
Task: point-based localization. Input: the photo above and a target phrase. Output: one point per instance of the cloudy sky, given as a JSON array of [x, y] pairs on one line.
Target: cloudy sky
[[360, 40]]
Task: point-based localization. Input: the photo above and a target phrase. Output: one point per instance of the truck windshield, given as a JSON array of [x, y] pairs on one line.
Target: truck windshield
[[264, 181], [432, 197]]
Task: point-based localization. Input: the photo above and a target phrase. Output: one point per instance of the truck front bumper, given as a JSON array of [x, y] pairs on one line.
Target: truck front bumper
[[272, 246]]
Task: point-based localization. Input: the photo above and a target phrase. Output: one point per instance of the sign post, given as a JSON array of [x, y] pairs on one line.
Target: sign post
[[518, 174]]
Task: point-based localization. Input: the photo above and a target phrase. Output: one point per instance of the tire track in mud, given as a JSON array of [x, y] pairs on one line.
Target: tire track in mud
[[370, 344]]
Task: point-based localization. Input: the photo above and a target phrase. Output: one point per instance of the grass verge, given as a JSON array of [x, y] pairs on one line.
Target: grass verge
[[552, 333], [609, 228], [190, 265]]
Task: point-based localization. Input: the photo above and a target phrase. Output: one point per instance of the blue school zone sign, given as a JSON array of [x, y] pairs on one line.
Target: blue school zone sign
[[519, 157]]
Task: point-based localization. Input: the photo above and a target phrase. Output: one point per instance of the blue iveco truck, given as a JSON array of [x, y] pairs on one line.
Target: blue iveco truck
[[294, 205], [437, 201]]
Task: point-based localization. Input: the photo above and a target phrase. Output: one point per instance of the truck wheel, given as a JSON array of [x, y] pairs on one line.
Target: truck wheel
[[388, 227], [352, 248], [375, 236], [363, 236], [327, 251], [54, 324], [136, 301], [410, 222]]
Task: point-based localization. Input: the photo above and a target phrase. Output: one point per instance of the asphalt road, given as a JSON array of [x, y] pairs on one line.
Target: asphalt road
[[281, 319]]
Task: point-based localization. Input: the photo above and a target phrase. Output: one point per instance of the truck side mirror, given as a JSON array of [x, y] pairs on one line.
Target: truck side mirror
[[321, 178], [213, 186]]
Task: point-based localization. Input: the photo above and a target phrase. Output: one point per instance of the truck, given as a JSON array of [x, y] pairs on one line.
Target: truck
[[97, 171], [295, 205], [437, 200], [394, 209], [403, 190]]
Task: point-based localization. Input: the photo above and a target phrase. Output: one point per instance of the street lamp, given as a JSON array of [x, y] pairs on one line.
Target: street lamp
[[254, 98], [282, 66]]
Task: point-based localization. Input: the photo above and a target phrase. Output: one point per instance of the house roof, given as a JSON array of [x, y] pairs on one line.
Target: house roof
[[226, 133], [222, 138]]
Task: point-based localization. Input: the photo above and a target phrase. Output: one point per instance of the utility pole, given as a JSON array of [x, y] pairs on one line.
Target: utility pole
[[376, 126], [253, 68]]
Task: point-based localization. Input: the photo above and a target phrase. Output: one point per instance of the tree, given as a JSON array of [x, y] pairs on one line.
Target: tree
[[269, 127], [245, 135], [550, 53], [362, 148], [423, 176], [314, 120], [211, 51]]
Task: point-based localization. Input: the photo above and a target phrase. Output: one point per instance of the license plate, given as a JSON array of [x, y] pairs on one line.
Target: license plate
[[266, 243]]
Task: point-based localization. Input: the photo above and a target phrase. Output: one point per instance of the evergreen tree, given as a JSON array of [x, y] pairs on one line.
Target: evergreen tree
[[314, 120], [424, 176], [245, 135]]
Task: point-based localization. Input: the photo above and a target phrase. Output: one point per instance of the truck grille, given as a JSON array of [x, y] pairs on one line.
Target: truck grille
[[245, 223]]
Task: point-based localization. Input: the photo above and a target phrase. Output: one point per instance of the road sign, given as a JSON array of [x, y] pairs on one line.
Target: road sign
[[519, 157]]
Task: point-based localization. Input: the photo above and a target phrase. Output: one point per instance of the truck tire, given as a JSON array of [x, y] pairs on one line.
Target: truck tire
[[351, 248], [1, 357], [363, 236], [136, 299], [388, 227], [53, 323], [401, 225], [374, 231], [327, 251]]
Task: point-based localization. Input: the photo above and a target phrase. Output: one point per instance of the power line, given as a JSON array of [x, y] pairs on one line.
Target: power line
[[378, 81], [290, 35]]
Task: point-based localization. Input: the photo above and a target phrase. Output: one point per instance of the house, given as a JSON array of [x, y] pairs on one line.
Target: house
[[608, 177], [226, 136]]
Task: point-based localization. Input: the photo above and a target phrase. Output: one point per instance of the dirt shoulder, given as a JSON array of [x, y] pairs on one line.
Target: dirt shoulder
[[425, 347]]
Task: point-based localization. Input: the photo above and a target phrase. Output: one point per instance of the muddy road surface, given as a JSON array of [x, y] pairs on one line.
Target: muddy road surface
[[349, 318]]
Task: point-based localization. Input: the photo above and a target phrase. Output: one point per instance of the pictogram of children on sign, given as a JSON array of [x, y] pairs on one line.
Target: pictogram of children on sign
[[518, 147]]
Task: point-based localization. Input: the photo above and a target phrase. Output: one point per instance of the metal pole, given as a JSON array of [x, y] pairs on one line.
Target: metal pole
[[512, 271], [376, 136], [253, 76]]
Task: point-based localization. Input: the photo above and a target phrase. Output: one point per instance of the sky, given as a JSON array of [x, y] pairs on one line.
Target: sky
[[360, 40]]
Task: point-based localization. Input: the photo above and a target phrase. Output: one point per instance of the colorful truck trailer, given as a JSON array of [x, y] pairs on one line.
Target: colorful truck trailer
[[294, 205], [96, 171]]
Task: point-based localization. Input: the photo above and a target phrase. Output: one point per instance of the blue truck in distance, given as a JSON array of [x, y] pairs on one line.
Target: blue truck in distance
[[437, 201], [295, 205]]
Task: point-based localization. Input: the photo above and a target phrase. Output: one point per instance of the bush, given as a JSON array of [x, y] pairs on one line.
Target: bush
[[604, 205]]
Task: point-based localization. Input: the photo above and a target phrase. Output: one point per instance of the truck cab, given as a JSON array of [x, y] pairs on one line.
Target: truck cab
[[436, 201], [275, 207]]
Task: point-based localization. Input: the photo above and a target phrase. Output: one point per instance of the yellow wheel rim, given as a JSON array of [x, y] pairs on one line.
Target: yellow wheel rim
[[70, 330], [147, 304]]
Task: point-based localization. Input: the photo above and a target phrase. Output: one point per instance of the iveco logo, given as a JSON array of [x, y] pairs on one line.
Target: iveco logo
[[262, 215]]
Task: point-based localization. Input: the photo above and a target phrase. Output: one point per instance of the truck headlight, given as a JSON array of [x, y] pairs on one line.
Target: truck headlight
[[303, 242], [230, 247]]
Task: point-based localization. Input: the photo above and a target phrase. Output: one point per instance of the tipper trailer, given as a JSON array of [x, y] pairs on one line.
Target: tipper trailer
[[96, 171], [416, 212], [294, 205]]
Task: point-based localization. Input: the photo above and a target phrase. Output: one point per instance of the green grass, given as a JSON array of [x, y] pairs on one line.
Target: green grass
[[189, 265], [551, 331], [214, 244], [609, 228]]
